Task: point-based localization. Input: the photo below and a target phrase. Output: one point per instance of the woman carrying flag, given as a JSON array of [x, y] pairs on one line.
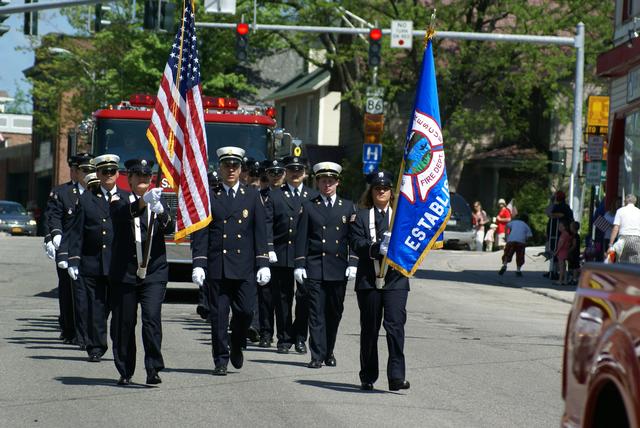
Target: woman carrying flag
[[385, 300]]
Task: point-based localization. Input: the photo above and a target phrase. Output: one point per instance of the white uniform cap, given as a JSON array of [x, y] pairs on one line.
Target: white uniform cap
[[104, 161], [230, 152], [91, 178], [327, 169]]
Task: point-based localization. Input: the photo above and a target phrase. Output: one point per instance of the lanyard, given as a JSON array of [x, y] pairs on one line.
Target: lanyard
[[372, 234], [141, 273]]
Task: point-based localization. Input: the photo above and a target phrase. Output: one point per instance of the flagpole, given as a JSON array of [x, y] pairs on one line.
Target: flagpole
[[383, 265]]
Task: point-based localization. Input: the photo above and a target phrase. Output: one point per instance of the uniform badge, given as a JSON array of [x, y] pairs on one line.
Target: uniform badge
[[301, 209], [344, 219], [70, 211], [245, 213], [353, 218]]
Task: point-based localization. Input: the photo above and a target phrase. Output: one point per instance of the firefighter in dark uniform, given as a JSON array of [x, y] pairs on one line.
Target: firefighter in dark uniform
[[323, 262], [60, 211], [91, 238], [383, 301], [132, 282], [226, 254]]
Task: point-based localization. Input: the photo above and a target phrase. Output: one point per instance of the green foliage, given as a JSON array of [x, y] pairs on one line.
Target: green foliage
[[21, 103]]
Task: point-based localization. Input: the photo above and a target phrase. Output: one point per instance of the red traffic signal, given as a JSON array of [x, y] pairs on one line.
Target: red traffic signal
[[375, 34], [242, 28]]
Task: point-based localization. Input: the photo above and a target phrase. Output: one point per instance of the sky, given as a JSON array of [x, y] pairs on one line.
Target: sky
[[17, 49]]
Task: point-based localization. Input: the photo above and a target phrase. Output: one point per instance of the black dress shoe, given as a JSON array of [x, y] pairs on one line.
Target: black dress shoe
[[301, 348], [283, 349], [124, 381], [220, 371], [152, 377], [265, 342], [94, 358], [366, 386], [398, 384], [253, 335], [202, 311], [330, 361], [236, 357], [314, 364]]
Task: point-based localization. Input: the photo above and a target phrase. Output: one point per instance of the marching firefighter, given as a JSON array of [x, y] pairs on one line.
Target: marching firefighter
[[384, 302], [91, 238], [226, 255], [132, 281], [323, 262]]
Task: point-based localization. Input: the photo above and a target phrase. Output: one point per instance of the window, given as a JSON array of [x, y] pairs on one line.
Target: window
[[626, 9], [630, 161]]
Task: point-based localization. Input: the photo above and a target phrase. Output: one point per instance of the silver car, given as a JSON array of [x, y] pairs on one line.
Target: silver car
[[458, 232], [15, 220]]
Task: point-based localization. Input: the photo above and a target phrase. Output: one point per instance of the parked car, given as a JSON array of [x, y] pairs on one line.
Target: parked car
[[458, 232], [601, 369], [15, 220]]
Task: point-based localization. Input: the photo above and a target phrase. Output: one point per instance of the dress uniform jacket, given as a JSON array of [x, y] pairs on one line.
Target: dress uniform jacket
[[322, 242], [369, 251], [91, 234], [235, 242]]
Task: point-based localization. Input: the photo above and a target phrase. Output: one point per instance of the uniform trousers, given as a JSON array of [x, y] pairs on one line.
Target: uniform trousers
[[124, 300], [66, 303], [81, 311], [266, 310], [239, 296], [387, 307], [95, 288], [326, 303], [301, 321], [282, 291]]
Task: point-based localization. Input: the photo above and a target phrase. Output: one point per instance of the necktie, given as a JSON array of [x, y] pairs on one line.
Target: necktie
[[232, 193], [329, 203], [296, 192], [109, 197], [382, 223]]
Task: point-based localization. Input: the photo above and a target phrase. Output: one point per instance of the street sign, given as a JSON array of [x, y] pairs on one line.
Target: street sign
[[220, 6], [593, 172], [375, 105], [369, 167], [598, 111], [375, 91], [402, 34], [373, 123], [371, 153], [594, 147]]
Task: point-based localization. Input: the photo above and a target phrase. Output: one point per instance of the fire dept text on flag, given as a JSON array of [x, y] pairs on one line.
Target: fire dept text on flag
[[176, 131]]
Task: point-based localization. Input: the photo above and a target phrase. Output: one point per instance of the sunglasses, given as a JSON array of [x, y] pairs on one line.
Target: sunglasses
[[276, 173], [109, 171], [382, 188], [142, 174]]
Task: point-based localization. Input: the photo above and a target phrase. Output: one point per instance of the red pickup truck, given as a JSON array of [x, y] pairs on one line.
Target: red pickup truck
[[601, 362]]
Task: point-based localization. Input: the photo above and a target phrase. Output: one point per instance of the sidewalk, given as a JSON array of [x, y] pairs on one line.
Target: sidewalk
[[488, 264]]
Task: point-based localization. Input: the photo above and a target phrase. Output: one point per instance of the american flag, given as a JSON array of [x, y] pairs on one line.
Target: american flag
[[177, 130]]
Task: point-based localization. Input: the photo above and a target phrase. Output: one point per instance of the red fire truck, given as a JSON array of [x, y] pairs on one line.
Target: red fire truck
[[121, 130]]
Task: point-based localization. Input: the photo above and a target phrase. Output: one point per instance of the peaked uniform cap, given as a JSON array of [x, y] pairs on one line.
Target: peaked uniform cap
[[380, 178], [91, 178], [105, 161], [142, 166], [273, 165], [231, 153], [327, 169], [294, 162]]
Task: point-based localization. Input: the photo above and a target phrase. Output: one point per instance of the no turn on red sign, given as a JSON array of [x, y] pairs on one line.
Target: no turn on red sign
[[402, 34]]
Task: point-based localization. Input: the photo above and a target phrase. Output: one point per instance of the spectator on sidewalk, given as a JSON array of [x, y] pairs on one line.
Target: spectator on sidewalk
[[518, 232], [574, 253], [489, 238], [562, 252], [626, 226], [503, 217], [479, 219]]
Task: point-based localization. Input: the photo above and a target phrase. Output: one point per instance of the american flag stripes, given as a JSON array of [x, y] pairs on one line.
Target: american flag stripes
[[177, 132]]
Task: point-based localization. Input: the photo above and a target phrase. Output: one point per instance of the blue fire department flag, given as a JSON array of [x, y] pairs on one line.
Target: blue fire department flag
[[423, 203]]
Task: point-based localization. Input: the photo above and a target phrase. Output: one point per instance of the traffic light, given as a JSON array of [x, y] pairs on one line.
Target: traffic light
[[101, 17], [375, 47], [167, 15], [556, 163], [3, 28], [242, 41], [31, 21]]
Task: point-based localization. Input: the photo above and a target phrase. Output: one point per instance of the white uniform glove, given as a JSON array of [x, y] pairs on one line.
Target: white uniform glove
[[73, 272], [197, 276], [50, 249], [300, 274], [263, 276], [152, 195], [56, 241], [272, 257], [350, 273], [384, 245], [63, 264], [156, 207]]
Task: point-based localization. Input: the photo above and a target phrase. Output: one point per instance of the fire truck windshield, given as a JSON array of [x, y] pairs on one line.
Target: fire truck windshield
[[127, 138]]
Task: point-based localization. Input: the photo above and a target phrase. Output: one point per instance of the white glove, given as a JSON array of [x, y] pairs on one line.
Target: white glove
[[56, 241], [73, 272], [384, 245], [197, 276], [152, 196], [157, 207], [63, 264], [272, 257], [300, 274], [350, 273], [50, 249], [263, 276]]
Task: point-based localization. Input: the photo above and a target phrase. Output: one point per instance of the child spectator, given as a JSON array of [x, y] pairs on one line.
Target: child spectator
[[518, 231], [489, 237], [574, 252], [562, 252]]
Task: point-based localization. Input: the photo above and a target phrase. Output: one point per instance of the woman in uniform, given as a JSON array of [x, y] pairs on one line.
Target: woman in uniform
[[383, 302]]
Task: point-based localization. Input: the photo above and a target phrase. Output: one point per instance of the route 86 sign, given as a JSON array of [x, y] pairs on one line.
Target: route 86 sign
[[375, 105]]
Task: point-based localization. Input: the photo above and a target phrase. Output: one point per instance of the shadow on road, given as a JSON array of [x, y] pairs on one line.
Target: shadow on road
[[76, 380], [284, 363], [190, 371], [340, 387], [57, 357]]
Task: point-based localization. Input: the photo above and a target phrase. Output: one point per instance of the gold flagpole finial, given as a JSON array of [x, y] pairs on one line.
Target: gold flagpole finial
[[431, 30]]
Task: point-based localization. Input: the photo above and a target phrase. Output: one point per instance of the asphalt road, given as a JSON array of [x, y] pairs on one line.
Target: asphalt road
[[481, 351]]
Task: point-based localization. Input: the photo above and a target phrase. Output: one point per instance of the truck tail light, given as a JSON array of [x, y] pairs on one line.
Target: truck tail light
[[219, 103], [271, 112], [142, 100]]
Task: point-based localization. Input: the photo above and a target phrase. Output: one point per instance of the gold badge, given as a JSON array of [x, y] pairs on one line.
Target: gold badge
[[344, 219], [245, 213]]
